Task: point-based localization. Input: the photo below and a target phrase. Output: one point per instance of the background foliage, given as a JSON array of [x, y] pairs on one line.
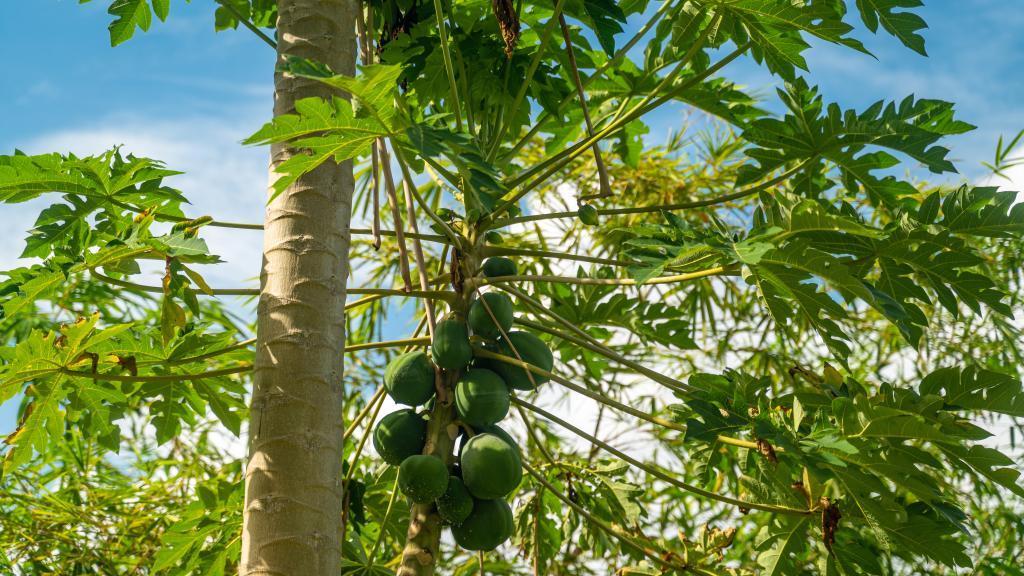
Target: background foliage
[[815, 349]]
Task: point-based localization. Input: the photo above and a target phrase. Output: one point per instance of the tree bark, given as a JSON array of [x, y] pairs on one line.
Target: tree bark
[[293, 480]]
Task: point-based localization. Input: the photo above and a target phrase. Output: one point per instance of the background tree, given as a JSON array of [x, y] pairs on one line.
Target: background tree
[[771, 354]]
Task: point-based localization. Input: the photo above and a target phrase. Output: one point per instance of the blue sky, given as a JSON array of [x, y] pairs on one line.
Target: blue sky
[[183, 94]]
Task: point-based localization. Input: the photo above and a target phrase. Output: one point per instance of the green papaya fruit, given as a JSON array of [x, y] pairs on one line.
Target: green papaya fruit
[[489, 525], [423, 478], [456, 503], [409, 379], [588, 215], [491, 467], [493, 237], [399, 435], [532, 350], [481, 311], [499, 266], [481, 397], [451, 349]]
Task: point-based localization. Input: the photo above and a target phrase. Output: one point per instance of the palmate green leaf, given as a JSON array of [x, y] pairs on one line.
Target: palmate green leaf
[[262, 13], [974, 388], [320, 130], [131, 14], [30, 292], [983, 211], [39, 360], [775, 28], [107, 175], [810, 130], [904, 25], [859, 418], [936, 263], [786, 276], [604, 17], [786, 536], [481, 180], [989, 463], [374, 88]]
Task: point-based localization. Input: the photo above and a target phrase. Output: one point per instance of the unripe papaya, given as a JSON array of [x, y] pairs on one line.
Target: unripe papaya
[[409, 379], [480, 315], [491, 467], [487, 526], [399, 435], [499, 266], [456, 503], [588, 214], [481, 397], [423, 478], [451, 348], [532, 350]]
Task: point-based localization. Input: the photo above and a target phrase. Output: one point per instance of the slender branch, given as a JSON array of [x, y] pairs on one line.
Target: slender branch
[[248, 24], [482, 353], [407, 174], [427, 294], [655, 471], [502, 251], [574, 71], [449, 69], [531, 431], [157, 378], [545, 36], [159, 290], [742, 193], [362, 413], [389, 186], [417, 251], [666, 381], [213, 223], [419, 341], [363, 301], [716, 271], [383, 523], [361, 445], [201, 357], [655, 556], [555, 162]]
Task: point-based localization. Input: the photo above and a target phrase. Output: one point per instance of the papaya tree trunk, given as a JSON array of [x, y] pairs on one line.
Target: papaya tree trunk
[[293, 490]]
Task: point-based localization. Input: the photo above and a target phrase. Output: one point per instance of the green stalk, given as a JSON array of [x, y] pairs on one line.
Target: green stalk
[[656, 472], [158, 378], [362, 413], [407, 174], [554, 163], [597, 397], [428, 294], [248, 24], [716, 271], [201, 357], [449, 69], [380, 535], [736, 195], [502, 251], [418, 341], [670, 383]]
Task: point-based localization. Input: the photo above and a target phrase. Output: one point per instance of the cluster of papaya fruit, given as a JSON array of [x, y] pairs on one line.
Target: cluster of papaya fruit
[[469, 494]]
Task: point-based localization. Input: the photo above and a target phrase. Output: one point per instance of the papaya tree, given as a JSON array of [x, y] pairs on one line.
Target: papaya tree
[[751, 349]]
